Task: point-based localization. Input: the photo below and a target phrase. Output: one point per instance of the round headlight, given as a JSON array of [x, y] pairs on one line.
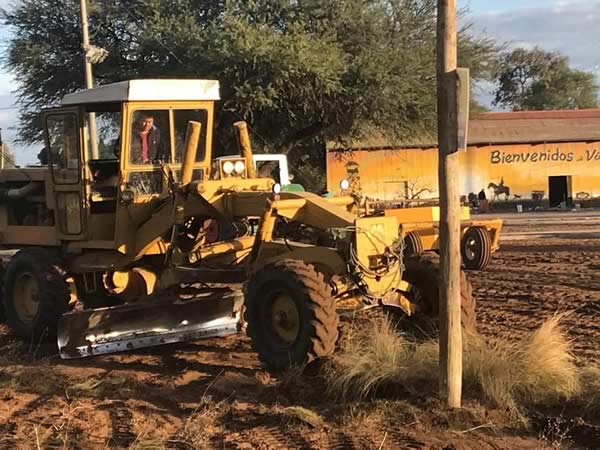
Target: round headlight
[[228, 167], [345, 185], [276, 188], [239, 167], [127, 196]]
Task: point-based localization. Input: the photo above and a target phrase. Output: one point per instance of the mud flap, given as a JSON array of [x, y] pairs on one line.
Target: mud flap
[[148, 324]]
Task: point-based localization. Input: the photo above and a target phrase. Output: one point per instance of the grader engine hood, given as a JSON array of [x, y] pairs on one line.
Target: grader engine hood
[[375, 256]]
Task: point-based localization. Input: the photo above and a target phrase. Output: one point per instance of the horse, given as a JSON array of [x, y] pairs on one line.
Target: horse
[[500, 189]]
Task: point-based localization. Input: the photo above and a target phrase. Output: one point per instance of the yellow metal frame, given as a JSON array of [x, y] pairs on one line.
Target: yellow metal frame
[[424, 222]]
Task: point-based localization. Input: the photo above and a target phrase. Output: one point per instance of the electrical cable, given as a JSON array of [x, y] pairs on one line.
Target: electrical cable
[[354, 263]]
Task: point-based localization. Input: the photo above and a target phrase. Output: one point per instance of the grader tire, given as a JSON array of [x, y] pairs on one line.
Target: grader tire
[[413, 244], [423, 273], [476, 248], [35, 294], [290, 314]]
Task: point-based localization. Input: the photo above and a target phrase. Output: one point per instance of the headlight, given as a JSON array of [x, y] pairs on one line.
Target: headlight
[[276, 188], [239, 167], [344, 185], [127, 196], [228, 167]]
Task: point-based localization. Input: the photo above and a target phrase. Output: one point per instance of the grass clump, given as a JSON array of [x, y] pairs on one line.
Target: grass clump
[[590, 391], [303, 415], [203, 424], [539, 370], [375, 358]]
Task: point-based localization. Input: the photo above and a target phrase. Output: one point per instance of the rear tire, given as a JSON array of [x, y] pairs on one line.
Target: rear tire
[[412, 244], [423, 273], [36, 293], [290, 314], [476, 248]]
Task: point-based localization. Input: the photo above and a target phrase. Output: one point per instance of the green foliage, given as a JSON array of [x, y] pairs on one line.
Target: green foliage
[[540, 80], [301, 73]]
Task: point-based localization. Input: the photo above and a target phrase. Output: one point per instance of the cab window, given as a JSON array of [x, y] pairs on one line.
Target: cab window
[[63, 147], [182, 117], [108, 139]]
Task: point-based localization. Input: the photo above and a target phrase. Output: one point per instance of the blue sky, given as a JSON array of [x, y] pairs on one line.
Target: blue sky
[[482, 6], [568, 26]]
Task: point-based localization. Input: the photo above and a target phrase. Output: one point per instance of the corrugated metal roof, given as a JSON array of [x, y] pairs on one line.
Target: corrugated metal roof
[[525, 127]]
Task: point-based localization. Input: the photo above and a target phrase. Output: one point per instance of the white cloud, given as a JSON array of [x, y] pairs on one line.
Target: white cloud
[[566, 26], [7, 4]]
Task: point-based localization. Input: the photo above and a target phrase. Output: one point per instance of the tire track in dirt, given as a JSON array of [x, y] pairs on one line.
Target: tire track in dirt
[[530, 281], [121, 420], [272, 437]]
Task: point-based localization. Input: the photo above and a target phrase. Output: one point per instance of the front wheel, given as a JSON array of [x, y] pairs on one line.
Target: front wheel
[[35, 293], [290, 314]]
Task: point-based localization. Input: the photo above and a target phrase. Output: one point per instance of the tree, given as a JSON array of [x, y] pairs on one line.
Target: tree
[[540, 80], [301, 73]]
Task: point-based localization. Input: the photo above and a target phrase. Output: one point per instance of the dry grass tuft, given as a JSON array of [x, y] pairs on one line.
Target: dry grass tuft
[[293, 379], [590, 390], [101, 387], [203, 424], [377, 413], [145, 441], [377, 357], [303, 415], [540, 370]]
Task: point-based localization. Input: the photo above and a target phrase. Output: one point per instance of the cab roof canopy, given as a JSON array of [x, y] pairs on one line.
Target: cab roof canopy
[[146, 90]]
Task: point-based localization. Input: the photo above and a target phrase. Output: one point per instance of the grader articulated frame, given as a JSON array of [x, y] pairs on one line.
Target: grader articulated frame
[[104, 244]]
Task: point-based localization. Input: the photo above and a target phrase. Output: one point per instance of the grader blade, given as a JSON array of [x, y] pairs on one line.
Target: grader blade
[[134, 326]]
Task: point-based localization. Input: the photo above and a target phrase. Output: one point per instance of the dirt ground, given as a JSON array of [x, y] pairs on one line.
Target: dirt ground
[[213, 394]]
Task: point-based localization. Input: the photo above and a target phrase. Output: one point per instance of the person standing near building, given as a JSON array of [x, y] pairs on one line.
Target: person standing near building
[[484, 205]]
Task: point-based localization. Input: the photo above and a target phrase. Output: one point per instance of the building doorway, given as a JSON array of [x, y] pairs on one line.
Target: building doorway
[[560, 191]]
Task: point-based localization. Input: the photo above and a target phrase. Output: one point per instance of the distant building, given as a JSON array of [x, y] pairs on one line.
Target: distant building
[[546, 157]]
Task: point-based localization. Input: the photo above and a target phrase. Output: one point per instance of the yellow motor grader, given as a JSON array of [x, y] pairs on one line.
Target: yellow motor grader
[[111, 227]]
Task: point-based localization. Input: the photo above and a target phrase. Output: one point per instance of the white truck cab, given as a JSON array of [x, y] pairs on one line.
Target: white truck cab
[[279, 172]]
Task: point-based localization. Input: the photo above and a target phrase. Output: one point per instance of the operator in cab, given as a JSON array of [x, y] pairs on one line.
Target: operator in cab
[[146, 143]]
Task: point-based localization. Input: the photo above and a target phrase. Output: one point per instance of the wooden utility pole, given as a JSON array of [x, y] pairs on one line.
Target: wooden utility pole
[[449, 173], [1, 151], [89, 78]]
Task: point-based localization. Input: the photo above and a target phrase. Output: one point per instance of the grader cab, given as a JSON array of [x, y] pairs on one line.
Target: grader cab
[[121, 219]]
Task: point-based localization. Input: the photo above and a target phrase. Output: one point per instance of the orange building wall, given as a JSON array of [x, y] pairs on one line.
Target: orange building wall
[[389, 174]]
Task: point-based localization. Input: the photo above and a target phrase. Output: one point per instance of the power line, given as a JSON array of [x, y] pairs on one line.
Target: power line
[[8, 108]]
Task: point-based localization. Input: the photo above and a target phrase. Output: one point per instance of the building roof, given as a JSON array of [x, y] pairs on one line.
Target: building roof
[[535, 126], [146, 90], [527, 127]]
